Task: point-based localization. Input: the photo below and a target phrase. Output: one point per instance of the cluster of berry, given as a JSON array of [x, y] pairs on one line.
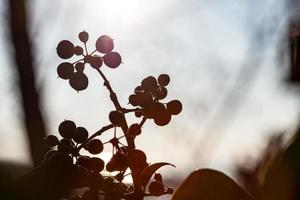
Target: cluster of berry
[[126, 158], [112, 187], [68, 148], [72, 137], [147, 96], [66, 49]]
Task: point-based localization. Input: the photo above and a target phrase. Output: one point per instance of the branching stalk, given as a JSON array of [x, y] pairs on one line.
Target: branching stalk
[[124, 127]]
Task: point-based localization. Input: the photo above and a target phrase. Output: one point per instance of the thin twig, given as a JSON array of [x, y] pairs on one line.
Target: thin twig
[[93, 52], [86, 51], [109, 141], [126, 110], [143, 121], [113, 95], [77, 61]]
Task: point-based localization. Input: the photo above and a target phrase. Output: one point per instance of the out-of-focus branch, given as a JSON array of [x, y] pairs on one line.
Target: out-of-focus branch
[[23, 57]]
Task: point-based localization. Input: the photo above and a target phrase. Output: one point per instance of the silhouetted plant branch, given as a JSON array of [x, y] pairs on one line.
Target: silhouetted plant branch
[[113, 95], [69, 161], [124, 127]]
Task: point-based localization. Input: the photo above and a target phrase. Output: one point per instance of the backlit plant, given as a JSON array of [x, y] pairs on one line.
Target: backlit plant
[[91, 173]]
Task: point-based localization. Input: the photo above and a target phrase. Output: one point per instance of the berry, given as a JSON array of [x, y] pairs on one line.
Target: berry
[[137, 158], [163, 119], [114, 141], [83, 36], [95, 180], [163, 79], [110, 166], [67, 129], [174, 107], [52, 141], [119, 177], [156, 188], [144, 99], [81, 135], [149, 83], [118, 162], [78, 50], [158, 177], [134, 130], [83, 161], [138, 114], [138, 89], [161, 93], [68, 142], [133, 100], [121, 161], [112, 59], [79, 67], [116, 118], [95, 146], [65, 70], [104, 44], [155, 110], [65, 147], [65, 49], [79, 81], [95, 61], [96, 164]]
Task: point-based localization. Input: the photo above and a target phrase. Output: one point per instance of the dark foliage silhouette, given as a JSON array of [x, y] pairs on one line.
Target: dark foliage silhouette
[[68, 167], [276, 174], [210, 184]]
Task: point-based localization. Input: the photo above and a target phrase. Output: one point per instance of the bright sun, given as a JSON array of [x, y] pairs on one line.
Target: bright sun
[[131, 10]]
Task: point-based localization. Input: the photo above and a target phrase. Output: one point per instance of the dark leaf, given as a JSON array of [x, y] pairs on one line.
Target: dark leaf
[[210, 185], [150, 170]]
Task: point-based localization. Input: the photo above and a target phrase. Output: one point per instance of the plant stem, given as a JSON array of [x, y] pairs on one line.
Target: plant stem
[[143, 121], [86, 51], [126, 110], [130, 140], [113, 95]]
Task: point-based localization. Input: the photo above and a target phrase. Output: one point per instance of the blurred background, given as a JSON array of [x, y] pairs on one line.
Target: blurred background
[[228, 62]]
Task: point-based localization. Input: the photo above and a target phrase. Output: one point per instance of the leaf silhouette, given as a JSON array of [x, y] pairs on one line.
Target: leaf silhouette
[[150, 170], [207, 184]]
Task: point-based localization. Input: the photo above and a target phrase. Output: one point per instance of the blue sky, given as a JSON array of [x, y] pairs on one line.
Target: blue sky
[[203, 45]]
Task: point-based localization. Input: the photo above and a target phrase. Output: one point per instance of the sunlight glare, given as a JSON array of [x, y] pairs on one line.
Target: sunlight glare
[[129, 10], [106, 156]]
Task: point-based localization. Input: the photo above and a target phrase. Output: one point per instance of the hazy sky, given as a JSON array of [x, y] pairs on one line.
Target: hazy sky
[[213, 50]]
